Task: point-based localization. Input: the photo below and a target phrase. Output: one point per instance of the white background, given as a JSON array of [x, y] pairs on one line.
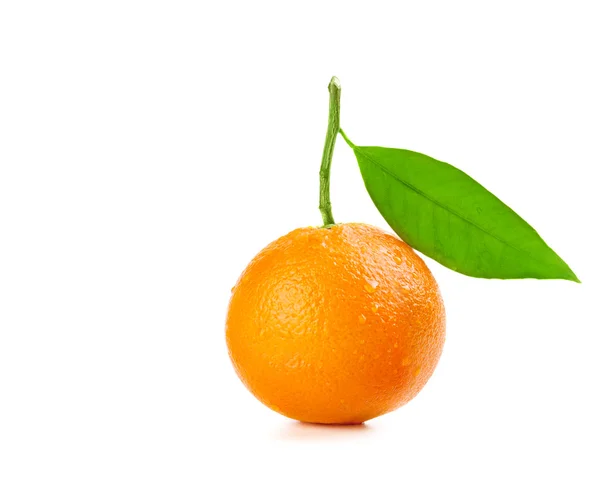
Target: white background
[[148, 150]]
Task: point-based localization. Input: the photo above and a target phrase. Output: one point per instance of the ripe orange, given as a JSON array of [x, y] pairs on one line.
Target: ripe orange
[[335, 325]]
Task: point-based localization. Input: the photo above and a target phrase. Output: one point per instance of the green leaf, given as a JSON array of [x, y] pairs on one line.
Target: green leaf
[[447, 215]]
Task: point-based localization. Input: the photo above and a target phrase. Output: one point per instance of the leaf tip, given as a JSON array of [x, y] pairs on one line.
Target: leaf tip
[[570, 274]]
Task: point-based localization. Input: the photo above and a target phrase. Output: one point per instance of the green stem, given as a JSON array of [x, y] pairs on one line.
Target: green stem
[[350, 144], [333, 127]]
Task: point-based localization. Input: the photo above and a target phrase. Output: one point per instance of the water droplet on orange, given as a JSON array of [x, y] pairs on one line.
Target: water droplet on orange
[[362, 319], [371, 285]]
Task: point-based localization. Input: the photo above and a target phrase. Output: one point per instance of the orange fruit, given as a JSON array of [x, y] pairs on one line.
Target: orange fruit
[[335, 325]]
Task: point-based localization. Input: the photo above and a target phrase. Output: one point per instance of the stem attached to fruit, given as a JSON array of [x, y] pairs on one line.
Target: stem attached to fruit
[[333, 127]]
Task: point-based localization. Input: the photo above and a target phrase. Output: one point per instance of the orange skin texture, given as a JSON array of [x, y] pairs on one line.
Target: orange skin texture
[[335, 325]]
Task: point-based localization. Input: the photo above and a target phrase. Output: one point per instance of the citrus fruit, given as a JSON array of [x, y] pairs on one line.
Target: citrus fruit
[[335, 325]]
